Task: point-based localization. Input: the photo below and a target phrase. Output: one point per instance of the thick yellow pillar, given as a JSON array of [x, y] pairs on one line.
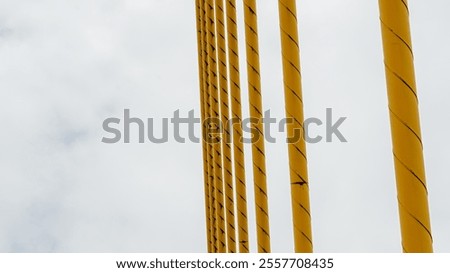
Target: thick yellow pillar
[[294, 113], [256, 113], [236, 114], [405, 127], [225, 117]]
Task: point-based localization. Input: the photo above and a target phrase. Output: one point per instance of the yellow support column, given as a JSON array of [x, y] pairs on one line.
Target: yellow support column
[[215, 114], [225, 117], [236, 113], [256, 114], [405, 127], [201, 68], [294, 112]]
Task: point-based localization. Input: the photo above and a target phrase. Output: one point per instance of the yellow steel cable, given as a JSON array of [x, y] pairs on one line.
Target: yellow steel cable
[[256, 113], [215, 113], [208, 112], [207, 125], [236, 114], [294, 113], [202, 109], [405, 127], [210, 150], [225, 117], [208, 109]]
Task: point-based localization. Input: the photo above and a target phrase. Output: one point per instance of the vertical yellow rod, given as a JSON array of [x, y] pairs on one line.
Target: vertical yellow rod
[[208, 109], [236, 113], [225, 117], [215, 113], [294, 113], [206, 126], [412, 191], [202, 84], [256, 114], [210, 149]]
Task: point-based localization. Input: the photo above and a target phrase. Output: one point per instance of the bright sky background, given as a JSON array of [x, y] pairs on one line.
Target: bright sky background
[[65, 66]]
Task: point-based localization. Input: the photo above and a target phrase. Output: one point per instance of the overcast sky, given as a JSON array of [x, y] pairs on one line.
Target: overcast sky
[[65, 66]]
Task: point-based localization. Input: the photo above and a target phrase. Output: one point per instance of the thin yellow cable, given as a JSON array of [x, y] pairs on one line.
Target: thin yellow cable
[[405, 127], [225, 117], [256, 114], [236, 114], [202, 84], [208, 111], [294, 112], [208, 137], [215, 113]]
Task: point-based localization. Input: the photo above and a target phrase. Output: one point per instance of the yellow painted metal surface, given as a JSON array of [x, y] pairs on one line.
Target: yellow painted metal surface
[[225, 117], [294, 112], [405, 127], [236, 114], [256, 112], [202, 84], [210, 148], [215, 113]]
